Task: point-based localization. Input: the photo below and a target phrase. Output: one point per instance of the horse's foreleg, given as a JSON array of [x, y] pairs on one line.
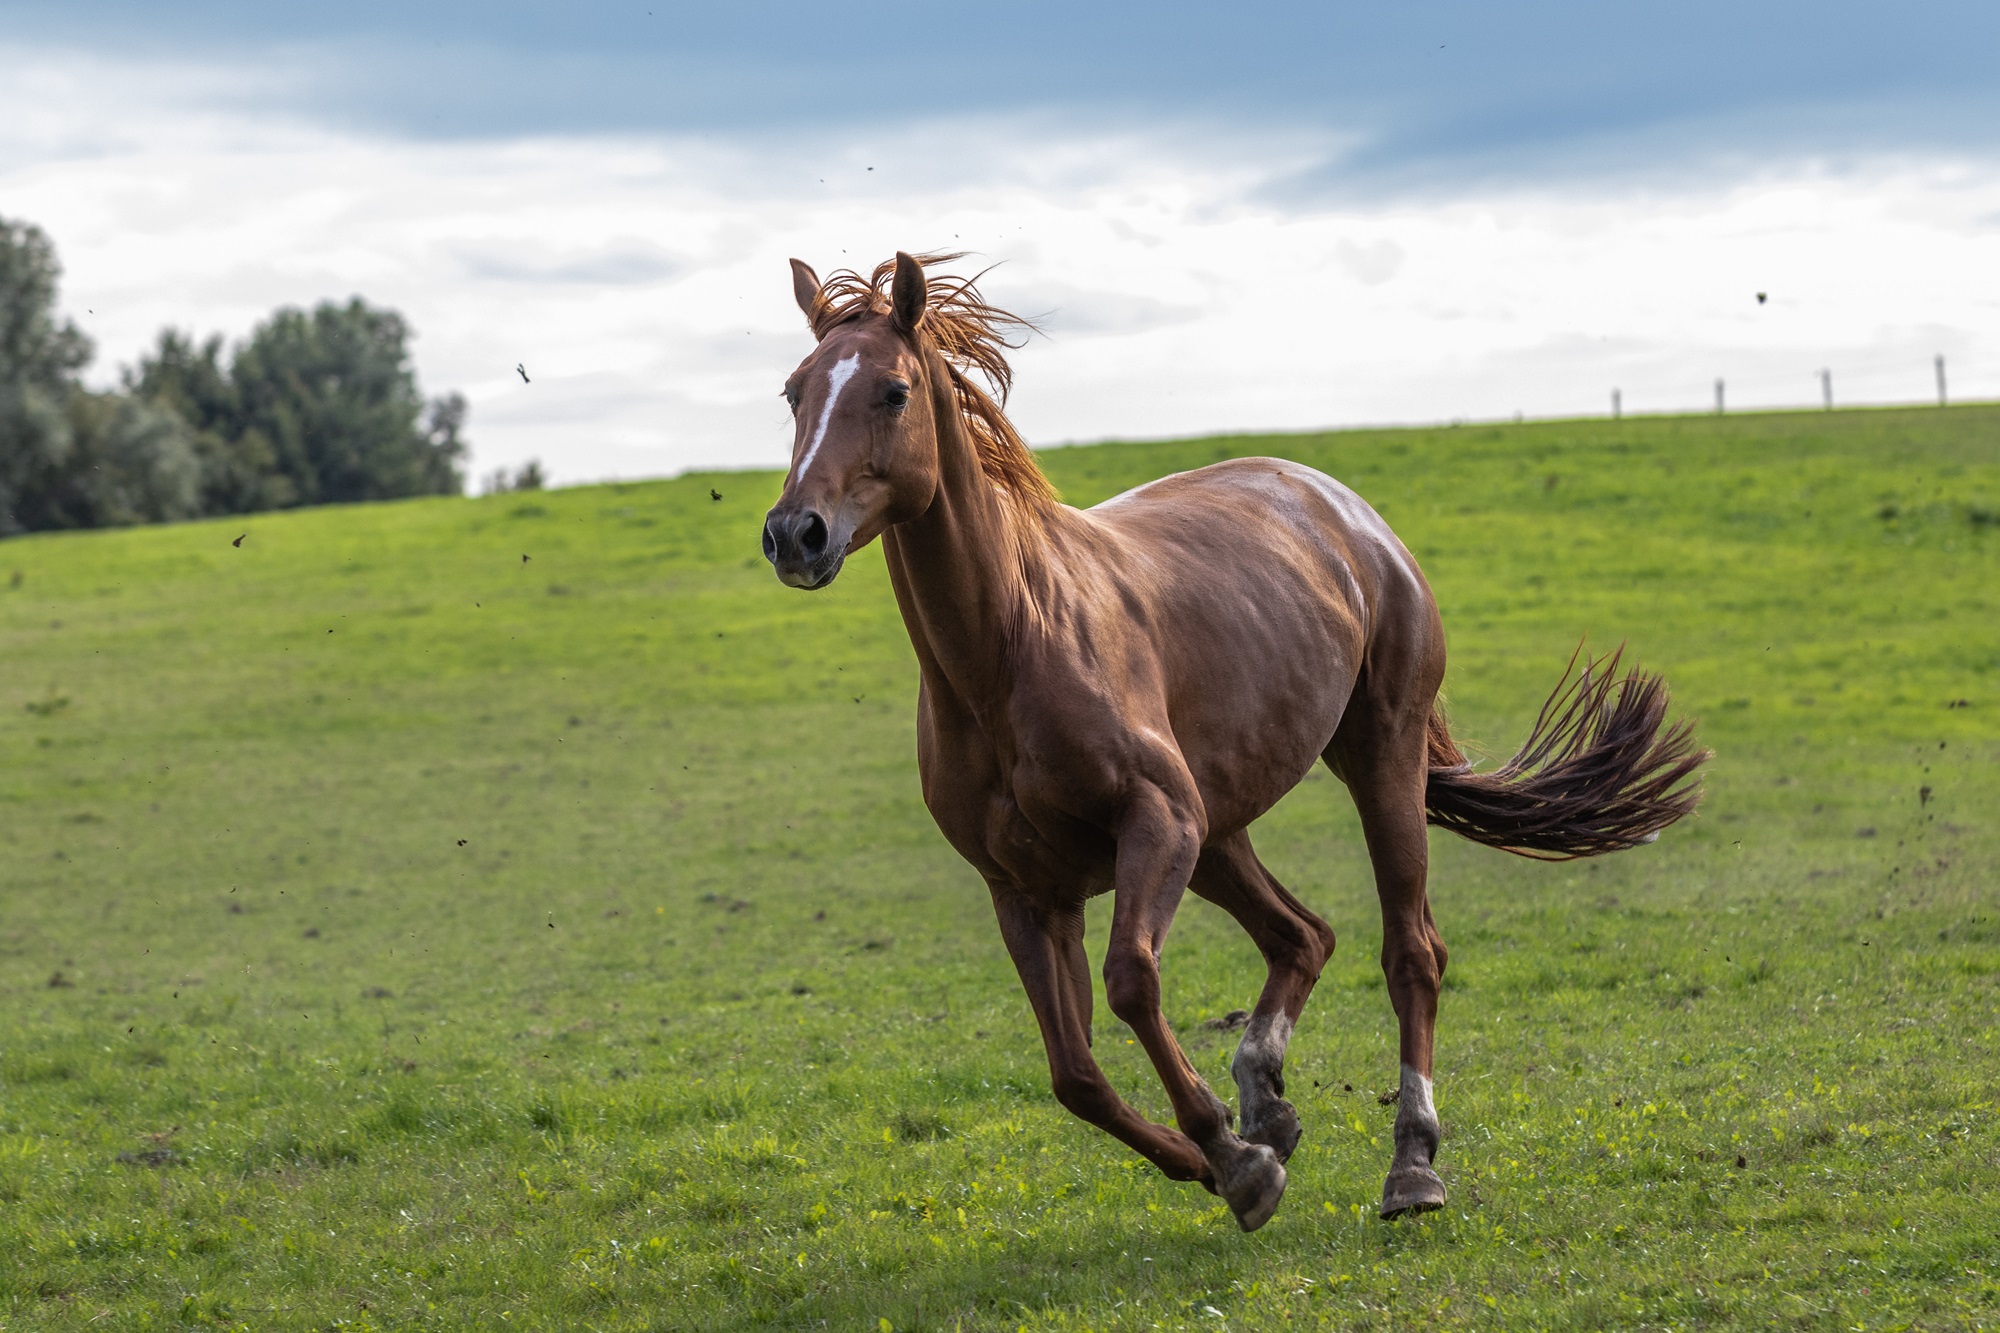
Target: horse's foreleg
[[1047, 948], [1156, 857], [1385, 769], [1295, 944]]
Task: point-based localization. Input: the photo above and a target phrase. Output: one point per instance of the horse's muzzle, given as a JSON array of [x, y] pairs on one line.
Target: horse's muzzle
[[801, 548]]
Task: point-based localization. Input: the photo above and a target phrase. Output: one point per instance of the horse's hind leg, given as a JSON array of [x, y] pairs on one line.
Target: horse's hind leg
[[1295, 944], [1380, 753]]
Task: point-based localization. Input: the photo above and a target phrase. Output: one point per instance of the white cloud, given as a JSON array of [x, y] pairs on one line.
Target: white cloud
[[1371, 263], [643, 282]]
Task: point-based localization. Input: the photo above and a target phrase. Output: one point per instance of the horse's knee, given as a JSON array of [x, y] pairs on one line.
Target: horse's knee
[[1131, 986]]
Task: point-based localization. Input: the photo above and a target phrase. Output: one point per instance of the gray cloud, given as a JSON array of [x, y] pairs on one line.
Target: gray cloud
[[1075, 311], [1432, 91], [619, 263]]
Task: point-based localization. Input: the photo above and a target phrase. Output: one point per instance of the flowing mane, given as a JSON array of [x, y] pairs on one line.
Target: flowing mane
[[973, 337]]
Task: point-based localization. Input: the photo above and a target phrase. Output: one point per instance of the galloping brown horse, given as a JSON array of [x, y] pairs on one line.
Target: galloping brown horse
[[1110, 697]]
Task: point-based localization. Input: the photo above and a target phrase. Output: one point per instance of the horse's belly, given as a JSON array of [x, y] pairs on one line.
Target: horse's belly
[[1242, 771], [1251, 717]]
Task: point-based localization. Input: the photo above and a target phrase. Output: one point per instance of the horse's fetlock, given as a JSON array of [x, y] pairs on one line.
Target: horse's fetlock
[[1260, 1056], [1212, 1125], [1418, 1134], [1417, 1128]]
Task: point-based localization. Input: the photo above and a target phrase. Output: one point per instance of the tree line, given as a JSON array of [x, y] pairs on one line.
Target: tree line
[[317, 406]]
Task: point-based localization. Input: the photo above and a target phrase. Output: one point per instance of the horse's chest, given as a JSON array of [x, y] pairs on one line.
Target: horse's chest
[[1006, 826]]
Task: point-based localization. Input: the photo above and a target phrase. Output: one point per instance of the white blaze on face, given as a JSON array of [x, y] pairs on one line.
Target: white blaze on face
[[836, 380]]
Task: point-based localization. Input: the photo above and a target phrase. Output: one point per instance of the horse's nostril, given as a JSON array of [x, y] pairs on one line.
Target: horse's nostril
[[770, 543], [812, 537]]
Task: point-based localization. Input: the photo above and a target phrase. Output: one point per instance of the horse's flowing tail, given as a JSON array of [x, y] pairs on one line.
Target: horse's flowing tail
[[1597, 773]]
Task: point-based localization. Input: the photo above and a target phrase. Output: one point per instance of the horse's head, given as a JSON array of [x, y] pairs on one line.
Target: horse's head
[[864, 439]]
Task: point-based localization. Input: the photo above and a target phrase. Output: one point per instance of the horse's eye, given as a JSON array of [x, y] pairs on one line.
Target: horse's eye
[[898, 396], [791, 397]]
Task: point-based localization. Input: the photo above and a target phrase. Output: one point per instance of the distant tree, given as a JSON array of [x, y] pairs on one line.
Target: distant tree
[[39, 358], [70, 458], [528, 478], [239, 469], [444, 419], [332, 394], [127, 462], [316, 407]]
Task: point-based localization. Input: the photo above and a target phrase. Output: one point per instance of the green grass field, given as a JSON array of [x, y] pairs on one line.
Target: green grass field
[[520, 913]]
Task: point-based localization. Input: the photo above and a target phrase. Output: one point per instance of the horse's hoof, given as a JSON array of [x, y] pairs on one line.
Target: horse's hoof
[[1253, 1185], [1277, 1128], [1410, 1190]]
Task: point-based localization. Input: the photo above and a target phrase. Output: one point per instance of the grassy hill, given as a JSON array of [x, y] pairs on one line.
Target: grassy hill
[[520, 912]]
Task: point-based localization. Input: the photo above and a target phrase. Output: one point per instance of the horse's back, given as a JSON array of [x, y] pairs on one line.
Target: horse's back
[[1264, 586], [1261, 525]]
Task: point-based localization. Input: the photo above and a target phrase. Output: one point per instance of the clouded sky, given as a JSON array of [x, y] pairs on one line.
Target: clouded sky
[[1231, 216]]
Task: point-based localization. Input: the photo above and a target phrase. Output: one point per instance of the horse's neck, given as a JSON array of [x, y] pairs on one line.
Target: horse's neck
[[958, 572]]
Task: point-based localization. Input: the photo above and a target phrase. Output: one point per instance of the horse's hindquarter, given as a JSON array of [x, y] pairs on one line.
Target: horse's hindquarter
[[1253, 585]]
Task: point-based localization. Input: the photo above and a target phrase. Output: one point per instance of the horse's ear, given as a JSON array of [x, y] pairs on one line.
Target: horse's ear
[[805, 287], [908, 294]]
